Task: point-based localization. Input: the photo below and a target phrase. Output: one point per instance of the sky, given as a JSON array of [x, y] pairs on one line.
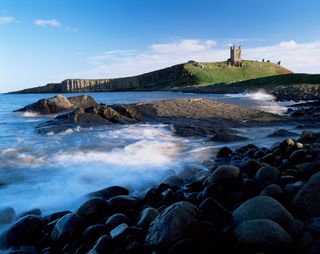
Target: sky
[[44, 41]]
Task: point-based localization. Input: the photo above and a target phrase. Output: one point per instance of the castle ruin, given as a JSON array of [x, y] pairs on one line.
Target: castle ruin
[[235, 56]]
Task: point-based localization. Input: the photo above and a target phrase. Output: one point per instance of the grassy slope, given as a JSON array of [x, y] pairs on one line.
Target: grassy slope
[[221, 72]]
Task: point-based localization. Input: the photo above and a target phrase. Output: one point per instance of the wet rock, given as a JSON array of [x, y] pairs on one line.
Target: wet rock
[[315, 247], [84, 101], [57, 215], [183, 246], [120, 232], [262, 207], [103, 245], [147, 216], [115, 220], [228, 177], [213, 190], [30, 212], [224, 152], [124, 202], [93, 210], [266, 175], [92, 233], [54, 105], [173, 180], [109, 192], [68, 228], [304, 242], [297, 156], [262, 235], [307, 169], [171, 224], [227, 137], [7, 215], [215, 213], [134, 248], [313, 225], [306, 202], [295, 228], [283, 133], [26, 230], [274, 191]]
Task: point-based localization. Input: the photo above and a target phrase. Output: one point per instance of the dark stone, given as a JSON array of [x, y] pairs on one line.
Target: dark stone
[[215, 213], [171, 224], [7, 215], [124, 202], [224, 152], [250, 187], [293, 188], [150, 196], [173, 180], [52, 217], [295, 228], [213, 190], [120, 232], [26, 230], [283, 133], [184, 246], [103, 245], [56, 104], [68, 228], [30, 212], [168, 196], [234, 199], [135, 248], [266, 175], [228, 177], [110, 192], [283, 180], [313, 225], [93, 210], [262, 235], [115, 220], [307, 169], [274, 191], [147, 216], [262, 207], [303, 242], [315, 247], [306, 202], [92, 233], [259, 154], [204, 230], [297, 157], [227, 137]]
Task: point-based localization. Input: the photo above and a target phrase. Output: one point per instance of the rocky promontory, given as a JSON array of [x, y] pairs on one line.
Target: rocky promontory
[[187, 117]]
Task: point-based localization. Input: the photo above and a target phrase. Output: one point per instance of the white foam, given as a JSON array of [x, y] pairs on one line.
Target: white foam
[[29, 114]]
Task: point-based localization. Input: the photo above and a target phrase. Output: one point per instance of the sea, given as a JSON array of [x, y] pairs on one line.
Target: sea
[[54, 172]]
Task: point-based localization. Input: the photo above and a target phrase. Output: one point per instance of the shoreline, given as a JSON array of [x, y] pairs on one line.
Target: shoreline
[[248, 189]]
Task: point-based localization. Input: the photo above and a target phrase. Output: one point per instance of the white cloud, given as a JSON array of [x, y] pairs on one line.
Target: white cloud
[[183, 46], [5, 20], [298, 57], [47, 22]]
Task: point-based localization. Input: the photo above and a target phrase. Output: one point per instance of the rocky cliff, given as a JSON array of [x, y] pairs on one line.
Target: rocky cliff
[[169, 77]]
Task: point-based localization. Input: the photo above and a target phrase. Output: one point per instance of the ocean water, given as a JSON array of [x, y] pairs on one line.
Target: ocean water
[[54, 172]]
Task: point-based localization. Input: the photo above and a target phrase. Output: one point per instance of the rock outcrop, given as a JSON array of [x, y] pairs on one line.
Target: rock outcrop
[[58, 104], [187, 117]]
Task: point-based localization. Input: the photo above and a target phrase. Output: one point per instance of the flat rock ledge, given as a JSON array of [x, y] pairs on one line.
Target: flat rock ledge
[[187, 117]]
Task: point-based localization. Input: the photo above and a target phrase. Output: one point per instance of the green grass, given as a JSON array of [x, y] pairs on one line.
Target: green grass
[[221, 72]]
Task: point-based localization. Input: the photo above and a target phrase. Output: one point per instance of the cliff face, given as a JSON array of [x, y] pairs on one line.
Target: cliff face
[[156, 80]]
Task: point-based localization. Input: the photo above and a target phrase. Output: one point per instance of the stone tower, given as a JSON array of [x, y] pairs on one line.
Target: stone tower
[[235, 56]]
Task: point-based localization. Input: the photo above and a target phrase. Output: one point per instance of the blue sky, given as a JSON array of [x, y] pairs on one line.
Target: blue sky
[[47, 41]]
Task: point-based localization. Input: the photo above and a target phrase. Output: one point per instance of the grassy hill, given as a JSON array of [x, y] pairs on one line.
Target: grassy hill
[[181, 75], [221, 72]]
